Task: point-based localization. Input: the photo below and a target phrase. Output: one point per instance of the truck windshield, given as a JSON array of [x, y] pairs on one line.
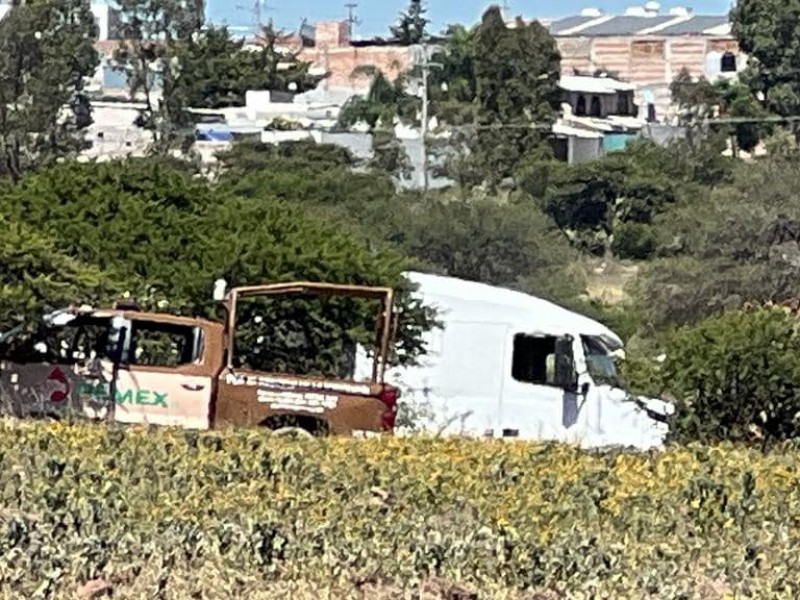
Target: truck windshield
[[600, 362]]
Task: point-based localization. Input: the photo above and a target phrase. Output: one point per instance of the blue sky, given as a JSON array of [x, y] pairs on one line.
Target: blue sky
[[377, 15]]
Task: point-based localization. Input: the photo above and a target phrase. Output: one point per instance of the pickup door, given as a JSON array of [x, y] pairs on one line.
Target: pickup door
[[167, 372]]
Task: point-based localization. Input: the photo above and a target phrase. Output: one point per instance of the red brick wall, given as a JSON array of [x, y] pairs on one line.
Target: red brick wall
[[341, 62]]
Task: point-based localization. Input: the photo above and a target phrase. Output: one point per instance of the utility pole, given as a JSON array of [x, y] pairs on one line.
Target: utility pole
[[352, 19], [426, 67]]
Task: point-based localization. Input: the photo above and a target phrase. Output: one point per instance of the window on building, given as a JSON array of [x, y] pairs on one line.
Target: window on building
[[580, 106], [728, 63], [534, 359], [164, 344], [596, 109]]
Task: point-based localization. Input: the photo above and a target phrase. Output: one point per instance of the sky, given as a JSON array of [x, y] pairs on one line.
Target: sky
[[377, 15]]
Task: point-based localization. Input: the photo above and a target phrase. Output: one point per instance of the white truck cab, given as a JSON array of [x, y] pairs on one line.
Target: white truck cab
[[509, 365]]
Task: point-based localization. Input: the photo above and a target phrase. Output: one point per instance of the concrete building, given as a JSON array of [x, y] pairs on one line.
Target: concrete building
[[648, 47]]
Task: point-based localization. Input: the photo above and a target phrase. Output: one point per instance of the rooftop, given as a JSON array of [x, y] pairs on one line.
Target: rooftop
[[644, 20]]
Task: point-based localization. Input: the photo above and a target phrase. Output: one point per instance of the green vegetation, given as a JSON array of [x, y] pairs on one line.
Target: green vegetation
[[40, 75], [242, 514]]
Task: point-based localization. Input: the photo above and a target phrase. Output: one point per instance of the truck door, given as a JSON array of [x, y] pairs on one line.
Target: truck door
[[163, 378], [534, 405], [47, 373]]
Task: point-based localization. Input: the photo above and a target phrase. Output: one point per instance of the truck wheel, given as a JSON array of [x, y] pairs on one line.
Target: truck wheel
[[286, 425]]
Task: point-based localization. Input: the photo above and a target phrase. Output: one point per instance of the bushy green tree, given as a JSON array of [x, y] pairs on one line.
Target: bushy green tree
[[516, 73], [701, 99], [736, 244], [596, 200], [36, 276], [411, 26], [217, 71], [768, 31], [452, 86], [389, 155], [482, 240], [154, 35], [385, 101], [302, 172], [47, 53], [147, 225], [735, 377]]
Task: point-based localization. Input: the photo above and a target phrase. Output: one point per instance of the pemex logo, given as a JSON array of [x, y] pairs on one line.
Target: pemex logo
[[59, 384]]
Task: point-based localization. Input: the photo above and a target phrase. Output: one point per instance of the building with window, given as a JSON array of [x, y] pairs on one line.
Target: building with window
[[647, 47]]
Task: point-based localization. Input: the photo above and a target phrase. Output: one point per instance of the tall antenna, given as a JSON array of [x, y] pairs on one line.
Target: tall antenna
[[352, 19], [256, 9], [506, 9]]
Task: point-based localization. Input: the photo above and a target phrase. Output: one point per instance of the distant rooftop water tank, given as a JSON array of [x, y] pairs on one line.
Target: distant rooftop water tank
[[591, 12], [635, 11], [680, 11]]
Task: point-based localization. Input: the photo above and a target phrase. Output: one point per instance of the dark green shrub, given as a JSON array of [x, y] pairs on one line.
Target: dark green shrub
[[735, 377], [634, 241]]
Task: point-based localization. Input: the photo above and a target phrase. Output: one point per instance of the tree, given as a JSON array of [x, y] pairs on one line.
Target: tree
[[701, 99], [482, 240], [734, 244], [47, 54], [517, 72], [146, 224], [452, 87], [768, 31], [411, 26], [385, 101], [389, 155], [155, 34], [734, 377], [37, 276], [217, 71]]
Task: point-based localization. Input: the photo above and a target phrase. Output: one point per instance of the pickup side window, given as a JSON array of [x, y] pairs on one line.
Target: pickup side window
[[79, 340], [164, 345], [534, 359]]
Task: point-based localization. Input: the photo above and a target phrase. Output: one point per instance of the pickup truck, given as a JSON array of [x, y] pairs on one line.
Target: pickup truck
[[100, 364]]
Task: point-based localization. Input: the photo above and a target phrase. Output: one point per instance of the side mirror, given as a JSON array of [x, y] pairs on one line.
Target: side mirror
[[566, 376]]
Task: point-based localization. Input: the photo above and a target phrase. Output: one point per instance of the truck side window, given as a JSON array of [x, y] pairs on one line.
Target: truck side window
[[534, 359], [80, 340], [163, 345]]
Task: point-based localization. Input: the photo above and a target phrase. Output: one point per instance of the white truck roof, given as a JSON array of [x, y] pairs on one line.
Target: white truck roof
[[473, 301]]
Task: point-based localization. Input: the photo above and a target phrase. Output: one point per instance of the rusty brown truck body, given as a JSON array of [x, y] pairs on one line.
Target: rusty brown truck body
[[96, 364]]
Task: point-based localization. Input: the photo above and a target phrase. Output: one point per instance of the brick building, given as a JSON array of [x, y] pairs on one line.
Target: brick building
[[648, 48], [327, 45]]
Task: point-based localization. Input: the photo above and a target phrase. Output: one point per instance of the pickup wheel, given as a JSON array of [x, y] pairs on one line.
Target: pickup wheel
[[288, 425], [292, 431]]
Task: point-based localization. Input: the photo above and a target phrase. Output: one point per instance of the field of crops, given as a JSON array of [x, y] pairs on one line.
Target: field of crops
[[163, 514]]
